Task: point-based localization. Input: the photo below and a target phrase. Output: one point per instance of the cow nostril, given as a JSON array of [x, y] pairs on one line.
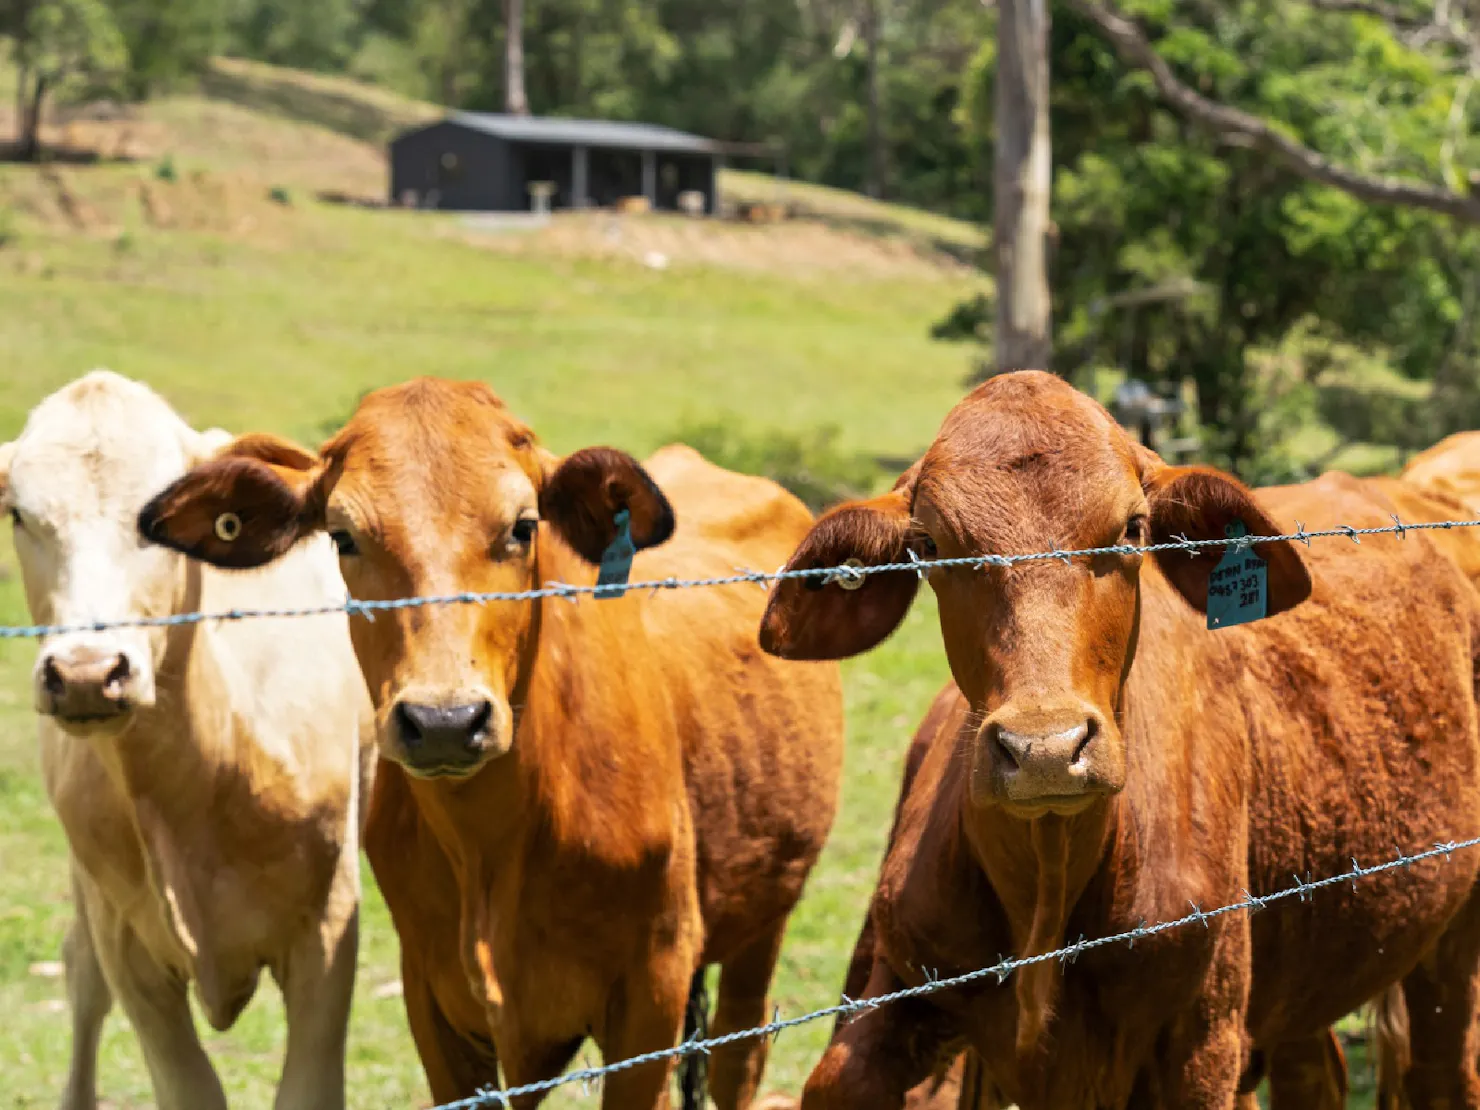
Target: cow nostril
[[113, 684], [481, 720], [52, 679], [407, 726], [1091, 730], [1003, 750]]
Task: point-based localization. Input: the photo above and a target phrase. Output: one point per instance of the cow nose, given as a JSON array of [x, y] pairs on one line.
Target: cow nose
[[1045, 757], [86, 684], [443, 737]]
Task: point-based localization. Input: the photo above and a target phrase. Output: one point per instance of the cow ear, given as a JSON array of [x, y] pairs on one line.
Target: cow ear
[[1198, 503], [244, 507], [582, 494], [811, 618]]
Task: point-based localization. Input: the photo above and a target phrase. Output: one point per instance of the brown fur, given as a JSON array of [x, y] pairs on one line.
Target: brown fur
[[1338, 727], [652, 789], [1450, 467]]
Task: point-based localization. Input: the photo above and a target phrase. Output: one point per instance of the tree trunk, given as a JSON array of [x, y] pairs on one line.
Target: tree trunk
[[515, 101], [29, 147], [1023, 179], [874, 184]]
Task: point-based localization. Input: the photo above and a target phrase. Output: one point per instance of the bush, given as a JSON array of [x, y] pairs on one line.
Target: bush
[[809, 464]]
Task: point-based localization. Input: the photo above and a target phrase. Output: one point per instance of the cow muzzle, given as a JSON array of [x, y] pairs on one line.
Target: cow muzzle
[[446, 737], [1050, 760], [91, 684]]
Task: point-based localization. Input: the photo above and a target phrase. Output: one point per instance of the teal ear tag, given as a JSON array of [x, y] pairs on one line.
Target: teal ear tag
[[616, 560], [1238, 588]]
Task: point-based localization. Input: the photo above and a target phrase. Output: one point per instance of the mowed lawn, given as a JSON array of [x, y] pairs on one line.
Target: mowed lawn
[[281, 329]]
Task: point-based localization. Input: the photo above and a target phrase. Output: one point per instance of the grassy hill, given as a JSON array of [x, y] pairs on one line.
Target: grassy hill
[[169, 261]]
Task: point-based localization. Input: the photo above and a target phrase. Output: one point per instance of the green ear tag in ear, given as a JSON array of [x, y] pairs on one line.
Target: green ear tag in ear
[[1238, 588], [616, 560]]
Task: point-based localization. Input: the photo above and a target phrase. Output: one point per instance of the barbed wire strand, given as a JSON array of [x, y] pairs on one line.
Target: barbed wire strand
[[1303, 889], [851, 574]]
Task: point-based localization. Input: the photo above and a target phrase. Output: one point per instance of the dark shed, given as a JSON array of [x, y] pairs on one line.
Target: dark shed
[[474, 161]]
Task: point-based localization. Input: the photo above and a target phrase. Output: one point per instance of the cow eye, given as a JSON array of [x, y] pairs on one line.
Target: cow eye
[[524, 530], [344, 543], [1136, 529]]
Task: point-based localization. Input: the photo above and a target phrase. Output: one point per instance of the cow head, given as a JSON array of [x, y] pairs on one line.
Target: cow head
[[89, 456], [432, 488], [1040, 649]]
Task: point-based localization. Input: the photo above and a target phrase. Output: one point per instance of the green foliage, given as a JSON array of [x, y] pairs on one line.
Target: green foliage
[[165, 171], [1181, 255], [810, 465], [167, 40], [71, 44]]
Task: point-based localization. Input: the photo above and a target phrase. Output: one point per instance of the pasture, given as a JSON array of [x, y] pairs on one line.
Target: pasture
[[252, 314]]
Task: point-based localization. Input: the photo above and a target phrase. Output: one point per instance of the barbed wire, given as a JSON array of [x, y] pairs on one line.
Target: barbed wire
[[850, 575], [1303, 889]]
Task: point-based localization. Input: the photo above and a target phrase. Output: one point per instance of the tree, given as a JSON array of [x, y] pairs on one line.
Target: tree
[[874, 183], [61, 44], [168, 39], [1024, 170], [515, 101]]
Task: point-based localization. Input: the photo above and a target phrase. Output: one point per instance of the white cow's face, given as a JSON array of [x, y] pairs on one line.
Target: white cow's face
[[89, 458]]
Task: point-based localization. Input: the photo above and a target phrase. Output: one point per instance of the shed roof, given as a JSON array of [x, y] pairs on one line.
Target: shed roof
[[582, 132]]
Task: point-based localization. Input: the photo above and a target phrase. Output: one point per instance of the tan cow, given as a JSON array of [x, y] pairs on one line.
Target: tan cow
[[584, 802], [210, 777]]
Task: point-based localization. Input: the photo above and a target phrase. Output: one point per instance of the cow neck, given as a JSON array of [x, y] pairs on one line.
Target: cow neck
[[565, 774], [171, 753], [1038, 869], [174, 764]]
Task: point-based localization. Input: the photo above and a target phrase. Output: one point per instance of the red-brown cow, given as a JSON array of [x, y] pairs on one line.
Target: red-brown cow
[[1105, 759], [581, 803]]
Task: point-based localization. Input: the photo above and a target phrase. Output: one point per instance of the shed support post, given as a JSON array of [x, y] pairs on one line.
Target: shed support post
[[650, 177], [578, 173], [716, 167]]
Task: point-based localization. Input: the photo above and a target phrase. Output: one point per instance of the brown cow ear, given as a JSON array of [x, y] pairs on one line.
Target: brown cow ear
[[1198, 503], [582, 495], [244, 507], [809, 618]]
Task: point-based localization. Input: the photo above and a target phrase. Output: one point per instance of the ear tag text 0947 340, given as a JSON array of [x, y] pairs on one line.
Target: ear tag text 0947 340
[[1238, 588], [616, 560]]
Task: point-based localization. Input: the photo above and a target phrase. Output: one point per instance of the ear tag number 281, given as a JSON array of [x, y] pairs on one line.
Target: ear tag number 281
[[616, 560], [1238, 588]]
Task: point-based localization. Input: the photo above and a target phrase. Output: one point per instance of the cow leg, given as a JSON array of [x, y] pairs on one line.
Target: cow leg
[[533, 1063], [454, 1066], [1308, 1074], [91, 1000], [1202, 1056], [745, 982], [156, 1001], [1441, 997], [318, 985], [648, 1016], [878, 1057]]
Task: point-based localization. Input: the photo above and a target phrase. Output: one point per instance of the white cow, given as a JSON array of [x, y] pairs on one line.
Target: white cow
[[211, 778]]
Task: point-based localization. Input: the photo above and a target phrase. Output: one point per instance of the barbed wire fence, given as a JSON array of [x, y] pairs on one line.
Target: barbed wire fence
[[849, 575]]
